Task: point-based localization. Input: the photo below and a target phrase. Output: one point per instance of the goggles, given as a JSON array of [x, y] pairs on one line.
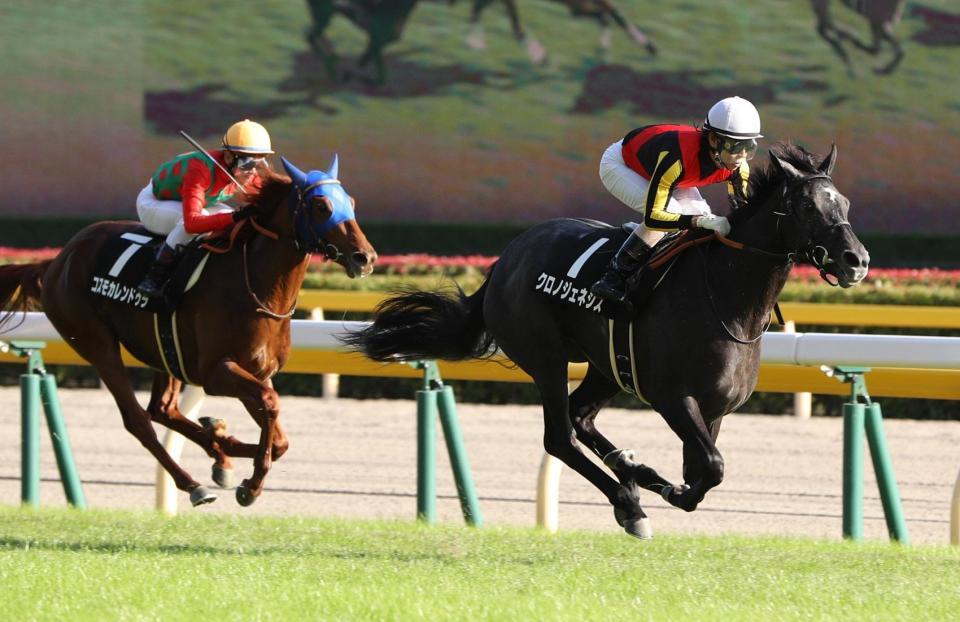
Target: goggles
[[248, 163], [734, 146]]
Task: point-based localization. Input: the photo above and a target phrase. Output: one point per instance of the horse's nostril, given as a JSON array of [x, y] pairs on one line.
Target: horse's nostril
[[360, 258], [853, 260]]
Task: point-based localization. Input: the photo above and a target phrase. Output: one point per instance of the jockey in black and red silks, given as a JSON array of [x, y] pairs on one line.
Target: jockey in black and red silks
[[187, 195], [657, 169]]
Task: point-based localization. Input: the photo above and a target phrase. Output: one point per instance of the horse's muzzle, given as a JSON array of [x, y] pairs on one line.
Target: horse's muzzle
[[852, 266], [360, 263]]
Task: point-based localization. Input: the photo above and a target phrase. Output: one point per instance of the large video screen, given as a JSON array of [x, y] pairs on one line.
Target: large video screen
[[475, 110]]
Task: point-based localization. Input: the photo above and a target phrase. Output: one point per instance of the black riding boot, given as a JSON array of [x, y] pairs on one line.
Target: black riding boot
[[633, 254], [159, 271]]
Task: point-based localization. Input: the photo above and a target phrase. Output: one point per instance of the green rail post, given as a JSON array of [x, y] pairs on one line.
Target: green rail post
[[861, 415], [30, 439], [883, 466], [61, 442], [456, 449], [853, 471], [433, 400], [426, 456], [38, 387]]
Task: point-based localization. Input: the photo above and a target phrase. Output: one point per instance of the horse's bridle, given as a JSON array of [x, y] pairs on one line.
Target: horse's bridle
[[816, 254], [809, 252], [330, 250]]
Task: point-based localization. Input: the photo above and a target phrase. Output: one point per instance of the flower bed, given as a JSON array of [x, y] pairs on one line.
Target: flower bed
[[929, 286]]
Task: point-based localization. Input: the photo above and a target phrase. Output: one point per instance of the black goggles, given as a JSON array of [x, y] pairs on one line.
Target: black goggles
[[734, 146], [248, 163]]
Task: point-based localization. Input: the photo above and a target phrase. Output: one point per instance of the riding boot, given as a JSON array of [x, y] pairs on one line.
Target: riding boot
[[613, 284], [159, 272]]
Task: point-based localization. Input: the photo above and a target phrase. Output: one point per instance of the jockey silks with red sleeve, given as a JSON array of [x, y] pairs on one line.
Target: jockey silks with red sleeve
[[187, 196], [194, 180], [670, 157], [657, 170]]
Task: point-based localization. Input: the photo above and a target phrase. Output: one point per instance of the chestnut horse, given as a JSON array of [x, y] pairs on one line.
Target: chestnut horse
[[694, 348], [233, 325]]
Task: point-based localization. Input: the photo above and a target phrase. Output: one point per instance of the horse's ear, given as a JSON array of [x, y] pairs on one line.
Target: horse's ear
[[826, 167], [334, 167], [298, 176], [789, 170]]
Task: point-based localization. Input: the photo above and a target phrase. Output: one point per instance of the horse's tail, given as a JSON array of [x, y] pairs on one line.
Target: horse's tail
[[20, 286], [417, 325]]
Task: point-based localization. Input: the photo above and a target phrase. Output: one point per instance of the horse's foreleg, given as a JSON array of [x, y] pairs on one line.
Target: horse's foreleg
[[703, 464], [884, 32], [263, 404]]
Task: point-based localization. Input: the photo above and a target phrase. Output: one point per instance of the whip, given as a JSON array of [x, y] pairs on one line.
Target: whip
[[214, 160]]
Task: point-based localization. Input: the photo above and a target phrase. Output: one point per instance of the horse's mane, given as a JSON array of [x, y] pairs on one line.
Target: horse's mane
[[273, 188], [764, 181]]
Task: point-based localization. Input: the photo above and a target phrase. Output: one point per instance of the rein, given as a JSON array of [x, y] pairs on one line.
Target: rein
[[261, 306], [810, 253]]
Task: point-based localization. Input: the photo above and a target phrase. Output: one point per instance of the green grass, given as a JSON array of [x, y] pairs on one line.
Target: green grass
[[61, 564]]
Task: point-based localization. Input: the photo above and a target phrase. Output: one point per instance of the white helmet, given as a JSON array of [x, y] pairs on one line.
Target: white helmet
[[734, 117]]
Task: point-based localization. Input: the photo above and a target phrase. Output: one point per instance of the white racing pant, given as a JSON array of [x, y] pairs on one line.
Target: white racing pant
[[631, 188], [166, 217]]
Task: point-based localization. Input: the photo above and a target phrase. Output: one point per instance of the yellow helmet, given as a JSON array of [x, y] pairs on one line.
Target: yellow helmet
[[247, 137]]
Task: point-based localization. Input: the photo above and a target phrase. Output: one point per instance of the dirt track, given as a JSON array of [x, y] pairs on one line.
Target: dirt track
[[352, 458]]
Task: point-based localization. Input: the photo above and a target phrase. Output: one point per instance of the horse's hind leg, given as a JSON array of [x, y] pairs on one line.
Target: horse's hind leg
[[263, 404], [559, 440], [102, 351], [585, 403]]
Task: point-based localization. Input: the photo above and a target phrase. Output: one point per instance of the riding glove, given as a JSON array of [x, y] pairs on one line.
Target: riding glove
[[720, 224]]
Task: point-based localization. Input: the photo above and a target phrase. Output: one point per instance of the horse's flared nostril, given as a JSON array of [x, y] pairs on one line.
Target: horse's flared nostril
[[854, 260], [360, 258]]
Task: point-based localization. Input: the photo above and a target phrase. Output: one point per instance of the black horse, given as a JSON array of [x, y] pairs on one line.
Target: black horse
[[382, 20], [692, 350], [882, 15], [603, 12]]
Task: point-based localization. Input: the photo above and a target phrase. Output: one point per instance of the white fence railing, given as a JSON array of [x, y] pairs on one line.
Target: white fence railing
[[805, 349]]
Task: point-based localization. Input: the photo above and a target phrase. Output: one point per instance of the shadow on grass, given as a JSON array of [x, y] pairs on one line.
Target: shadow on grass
[[284, 550], [942, 28], [204, 110], [311, 78], [676, 93]]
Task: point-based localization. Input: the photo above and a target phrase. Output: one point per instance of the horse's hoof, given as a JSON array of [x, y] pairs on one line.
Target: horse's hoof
[[638, 528], [201, 495], [244, 496], [222, 477]]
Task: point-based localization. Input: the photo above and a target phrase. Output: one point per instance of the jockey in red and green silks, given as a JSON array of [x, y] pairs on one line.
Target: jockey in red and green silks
[[187, 195]]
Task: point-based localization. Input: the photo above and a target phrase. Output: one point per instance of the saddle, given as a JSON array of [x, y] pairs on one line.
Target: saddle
[[123, 261], [642, 283]]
